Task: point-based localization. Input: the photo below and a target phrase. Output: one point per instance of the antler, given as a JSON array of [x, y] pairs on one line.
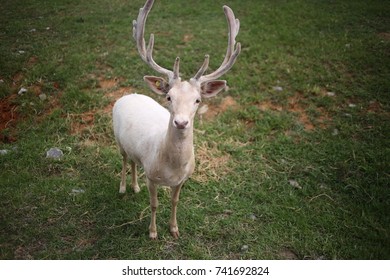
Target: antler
[[147, 53], [233, 50]]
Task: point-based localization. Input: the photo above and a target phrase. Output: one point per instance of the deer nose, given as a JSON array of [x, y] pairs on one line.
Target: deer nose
[[180, 124]]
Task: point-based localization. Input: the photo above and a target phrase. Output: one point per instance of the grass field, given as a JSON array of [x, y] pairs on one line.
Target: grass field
[[292, 160]]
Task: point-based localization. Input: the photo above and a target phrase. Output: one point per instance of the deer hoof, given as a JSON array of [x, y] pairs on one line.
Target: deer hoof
[[153, 235], [136, 189], [122, 189], [175, 233]]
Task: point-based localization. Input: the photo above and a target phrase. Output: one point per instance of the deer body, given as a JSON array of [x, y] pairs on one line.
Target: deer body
[[161, 140], [146, 134]]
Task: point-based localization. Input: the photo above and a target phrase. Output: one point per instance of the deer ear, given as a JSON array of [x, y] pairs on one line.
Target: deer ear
[[212, 88], [157, 84]]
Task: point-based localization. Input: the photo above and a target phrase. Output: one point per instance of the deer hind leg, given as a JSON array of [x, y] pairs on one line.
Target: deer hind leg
[[122, 187], [153, 206], [134, 182], [174, 229]]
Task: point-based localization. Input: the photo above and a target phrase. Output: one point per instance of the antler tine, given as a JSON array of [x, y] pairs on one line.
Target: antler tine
[[233, 50], [139, 28], [176, 73], [138, 35], [234, 27], [203, 68]]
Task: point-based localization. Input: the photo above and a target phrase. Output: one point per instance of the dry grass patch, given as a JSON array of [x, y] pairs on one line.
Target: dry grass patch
[[212, 164]]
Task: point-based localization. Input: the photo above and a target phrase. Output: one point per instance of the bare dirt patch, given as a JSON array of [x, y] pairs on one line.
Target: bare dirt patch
[[268, 105], [287, 254], [188, 38], [384, 35], [9, 115], [108, 83], [376, 107], [8, 118], [84, 122], [296, 105], [113, 89], [27, 252], [32, 61], [226, 103], [81, 122]]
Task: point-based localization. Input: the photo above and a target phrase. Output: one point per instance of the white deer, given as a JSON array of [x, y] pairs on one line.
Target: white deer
[[161, 140]]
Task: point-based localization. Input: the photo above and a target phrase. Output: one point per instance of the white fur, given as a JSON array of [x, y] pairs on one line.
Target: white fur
[[140, 124]]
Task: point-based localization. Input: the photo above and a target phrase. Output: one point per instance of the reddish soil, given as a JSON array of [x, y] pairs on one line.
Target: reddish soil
[[85, 121], [8, 118], [9, 111], [213, 110], [9, 115]]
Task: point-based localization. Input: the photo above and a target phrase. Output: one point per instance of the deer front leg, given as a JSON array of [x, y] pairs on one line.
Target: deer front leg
[[122, 187], [174, 229], [153, 206]]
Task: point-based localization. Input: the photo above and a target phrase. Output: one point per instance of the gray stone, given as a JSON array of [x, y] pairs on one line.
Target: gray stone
[[54, 153], [244, 248]]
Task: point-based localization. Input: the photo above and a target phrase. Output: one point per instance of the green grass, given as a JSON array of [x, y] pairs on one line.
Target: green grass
[[294, 173]]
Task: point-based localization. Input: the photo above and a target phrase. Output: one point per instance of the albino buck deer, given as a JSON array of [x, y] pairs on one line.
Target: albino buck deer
[[158, 139]]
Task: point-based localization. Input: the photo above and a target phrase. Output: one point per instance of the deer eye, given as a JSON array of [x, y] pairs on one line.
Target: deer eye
[[198, 100], [168, 98]]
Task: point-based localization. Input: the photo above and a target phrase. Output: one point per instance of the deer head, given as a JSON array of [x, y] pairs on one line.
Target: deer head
[[184, 97]]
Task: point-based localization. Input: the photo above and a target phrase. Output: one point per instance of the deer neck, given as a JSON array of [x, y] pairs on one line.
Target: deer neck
[[178, 146]]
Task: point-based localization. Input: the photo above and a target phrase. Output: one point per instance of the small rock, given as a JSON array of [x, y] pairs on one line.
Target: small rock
[[33, 30], [228, 212], [21, 52], [323, 186], [277, 88], [244, 248], [3, 152], [252, 217], [77, 191], [42, 96], [294, 184], [54, 153], [351, 105], [22, 91], [335, 132], [330, 93]]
